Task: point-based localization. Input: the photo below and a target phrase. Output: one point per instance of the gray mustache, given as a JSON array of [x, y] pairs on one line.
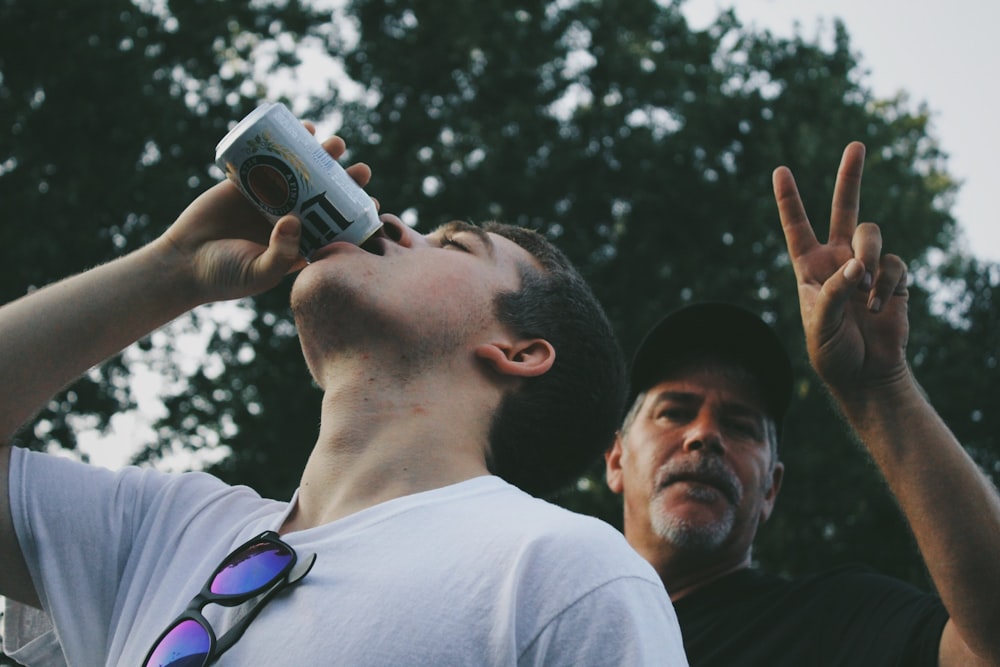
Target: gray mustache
[[704, 470]]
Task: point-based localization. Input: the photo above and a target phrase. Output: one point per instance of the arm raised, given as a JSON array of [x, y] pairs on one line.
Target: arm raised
[[51, 336], [219, 248], [853, 301]]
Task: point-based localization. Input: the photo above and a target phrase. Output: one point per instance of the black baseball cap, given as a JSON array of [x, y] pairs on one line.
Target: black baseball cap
[[723, 331]]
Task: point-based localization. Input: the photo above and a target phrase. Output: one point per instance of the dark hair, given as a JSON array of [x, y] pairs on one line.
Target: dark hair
[[548, 432]]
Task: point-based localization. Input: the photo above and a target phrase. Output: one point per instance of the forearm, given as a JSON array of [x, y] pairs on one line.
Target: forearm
[[50, 337], [951, 506]]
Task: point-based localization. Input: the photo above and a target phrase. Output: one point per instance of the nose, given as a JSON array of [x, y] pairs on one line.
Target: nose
[[704, 434], [399, 232]]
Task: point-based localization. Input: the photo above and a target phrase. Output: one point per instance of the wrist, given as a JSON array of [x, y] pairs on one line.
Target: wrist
[[171, 275], [886, 400]]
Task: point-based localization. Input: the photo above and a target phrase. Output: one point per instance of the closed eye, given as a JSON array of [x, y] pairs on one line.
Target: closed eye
[[474, 240], [448, 240]]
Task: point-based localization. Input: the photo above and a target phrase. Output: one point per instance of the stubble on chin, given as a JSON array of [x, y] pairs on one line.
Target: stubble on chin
[[330, 316], [336, 316], [682, 531], [687, 534]]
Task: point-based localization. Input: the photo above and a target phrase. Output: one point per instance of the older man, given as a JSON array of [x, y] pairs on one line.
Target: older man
[[696, 461]]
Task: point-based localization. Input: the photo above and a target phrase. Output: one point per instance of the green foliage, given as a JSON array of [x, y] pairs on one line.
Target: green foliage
[[111, 111], [644, 148]]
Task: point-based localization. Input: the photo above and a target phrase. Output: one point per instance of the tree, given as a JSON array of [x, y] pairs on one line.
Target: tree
[[111, 113], [642, 147]]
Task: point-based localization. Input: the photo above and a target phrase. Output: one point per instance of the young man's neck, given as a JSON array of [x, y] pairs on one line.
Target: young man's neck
[[384, 440]]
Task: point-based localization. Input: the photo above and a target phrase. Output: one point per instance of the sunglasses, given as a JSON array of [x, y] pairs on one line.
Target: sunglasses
[[261, 567]]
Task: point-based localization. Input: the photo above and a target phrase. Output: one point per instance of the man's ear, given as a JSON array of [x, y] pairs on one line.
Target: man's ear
[[613, 465], [772, 493], [526, 358]]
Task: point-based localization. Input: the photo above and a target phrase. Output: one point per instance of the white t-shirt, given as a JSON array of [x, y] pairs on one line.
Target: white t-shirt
[[476, 573]]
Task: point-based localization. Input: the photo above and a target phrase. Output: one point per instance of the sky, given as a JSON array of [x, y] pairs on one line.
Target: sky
[[943, 54]]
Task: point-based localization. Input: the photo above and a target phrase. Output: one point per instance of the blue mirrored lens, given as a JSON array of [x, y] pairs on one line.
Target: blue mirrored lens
[[187, 645], [252, 568]]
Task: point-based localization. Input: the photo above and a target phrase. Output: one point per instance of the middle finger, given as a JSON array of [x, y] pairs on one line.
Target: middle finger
[[847, 194]]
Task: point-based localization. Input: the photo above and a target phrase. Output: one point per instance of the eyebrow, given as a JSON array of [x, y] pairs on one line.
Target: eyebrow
[[459, 226], [732, 407]]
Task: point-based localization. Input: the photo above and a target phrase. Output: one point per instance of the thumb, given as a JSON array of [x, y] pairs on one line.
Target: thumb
[[282, 255]]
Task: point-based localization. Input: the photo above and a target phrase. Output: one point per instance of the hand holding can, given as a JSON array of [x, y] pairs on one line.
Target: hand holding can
[[282, 169]]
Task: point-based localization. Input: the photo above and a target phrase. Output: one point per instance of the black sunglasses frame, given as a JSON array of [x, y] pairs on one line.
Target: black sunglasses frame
[[291, 573]]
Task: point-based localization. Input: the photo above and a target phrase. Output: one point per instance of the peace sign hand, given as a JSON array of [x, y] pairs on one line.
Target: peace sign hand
[[853, 299]]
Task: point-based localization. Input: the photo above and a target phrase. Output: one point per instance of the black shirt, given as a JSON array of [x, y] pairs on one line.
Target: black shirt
[[849, 616]]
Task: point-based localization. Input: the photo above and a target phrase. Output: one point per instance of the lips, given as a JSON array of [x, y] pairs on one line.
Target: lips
[[374, 244]]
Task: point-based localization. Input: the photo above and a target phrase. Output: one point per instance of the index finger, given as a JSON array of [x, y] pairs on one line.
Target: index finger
[[799, 235]]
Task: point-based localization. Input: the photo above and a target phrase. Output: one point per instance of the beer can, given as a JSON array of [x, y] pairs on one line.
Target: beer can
[[281, 168]]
